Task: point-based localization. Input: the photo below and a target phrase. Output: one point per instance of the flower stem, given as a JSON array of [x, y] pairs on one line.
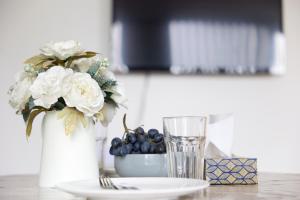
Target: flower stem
[[125, 126]]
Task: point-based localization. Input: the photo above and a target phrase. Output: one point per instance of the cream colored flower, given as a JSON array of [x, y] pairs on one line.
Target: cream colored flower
[[19, 92], [47, 88], [84, 93], [106, 114], [83, 64], [62, 50]]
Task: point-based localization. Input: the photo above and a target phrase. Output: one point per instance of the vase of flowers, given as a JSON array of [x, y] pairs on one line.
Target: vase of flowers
[[75, 89]]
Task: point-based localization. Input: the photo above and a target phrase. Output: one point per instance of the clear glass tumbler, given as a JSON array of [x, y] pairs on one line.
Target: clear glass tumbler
[[101, 145], [185, 141]]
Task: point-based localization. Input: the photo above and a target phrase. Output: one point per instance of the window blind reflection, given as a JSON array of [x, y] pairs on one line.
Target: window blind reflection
[[211, 47]]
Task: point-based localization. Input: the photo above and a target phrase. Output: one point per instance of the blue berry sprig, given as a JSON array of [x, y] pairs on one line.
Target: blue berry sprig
[[137, 141]]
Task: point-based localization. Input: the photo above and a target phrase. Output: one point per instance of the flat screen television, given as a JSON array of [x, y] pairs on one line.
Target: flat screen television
[[198, 36]]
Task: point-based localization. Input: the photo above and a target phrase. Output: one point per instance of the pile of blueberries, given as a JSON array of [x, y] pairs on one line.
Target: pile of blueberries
[[138, 142]]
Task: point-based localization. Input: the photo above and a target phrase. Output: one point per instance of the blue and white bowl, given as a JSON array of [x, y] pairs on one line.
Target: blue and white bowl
[[141, 165]]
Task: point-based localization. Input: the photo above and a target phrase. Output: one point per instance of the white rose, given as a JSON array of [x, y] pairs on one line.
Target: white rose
[[62, 50], [19, 92], [106, 114], [84, 93], [47, 88], [83, 64]]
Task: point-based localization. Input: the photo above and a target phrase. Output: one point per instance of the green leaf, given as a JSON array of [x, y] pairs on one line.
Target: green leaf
[[31, 104], [72, 118], [109, 100], [41, 62], [35, 60], [25, 114], [108, 84], [59, 62], [31, 117], [93, 70], [59, 105], [112, 102], [90, 54], [87, 54], [28, 107], [47, 64], [96, 74]]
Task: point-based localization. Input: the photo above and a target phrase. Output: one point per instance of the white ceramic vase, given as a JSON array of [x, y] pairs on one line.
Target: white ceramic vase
[[67, 158]]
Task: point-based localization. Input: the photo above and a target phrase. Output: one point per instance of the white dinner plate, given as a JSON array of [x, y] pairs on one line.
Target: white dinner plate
[[148, 188]]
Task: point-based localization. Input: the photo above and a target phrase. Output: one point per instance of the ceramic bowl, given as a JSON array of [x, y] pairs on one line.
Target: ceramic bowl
[[141, 165]]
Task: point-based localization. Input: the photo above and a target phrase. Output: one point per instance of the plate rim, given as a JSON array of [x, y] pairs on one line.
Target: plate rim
[[170, 192]]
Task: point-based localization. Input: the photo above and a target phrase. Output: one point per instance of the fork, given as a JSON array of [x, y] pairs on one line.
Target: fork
[[107, 183]]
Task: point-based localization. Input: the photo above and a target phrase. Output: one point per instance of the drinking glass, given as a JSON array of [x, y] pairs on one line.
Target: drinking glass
[[101, 138], [185, 143], [100, 142]]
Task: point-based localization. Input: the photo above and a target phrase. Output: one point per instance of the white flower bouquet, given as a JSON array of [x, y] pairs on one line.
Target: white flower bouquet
[[65, 78]]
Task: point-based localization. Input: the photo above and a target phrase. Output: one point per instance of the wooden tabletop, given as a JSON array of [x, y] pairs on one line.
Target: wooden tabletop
[[271, 186]]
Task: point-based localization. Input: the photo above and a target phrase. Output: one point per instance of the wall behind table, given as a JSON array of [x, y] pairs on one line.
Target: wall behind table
[[266, 108]]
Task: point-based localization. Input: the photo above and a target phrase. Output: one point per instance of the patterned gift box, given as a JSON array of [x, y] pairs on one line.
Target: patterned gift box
[[224, 171]]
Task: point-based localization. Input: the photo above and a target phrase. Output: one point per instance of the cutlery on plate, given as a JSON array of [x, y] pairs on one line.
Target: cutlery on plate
[[107, 183]]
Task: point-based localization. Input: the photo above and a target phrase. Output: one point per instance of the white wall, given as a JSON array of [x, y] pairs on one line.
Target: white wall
[[24, 27], [266, 108]]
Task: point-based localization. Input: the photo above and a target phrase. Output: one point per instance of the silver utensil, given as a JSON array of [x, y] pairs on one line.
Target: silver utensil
[[107, 183]]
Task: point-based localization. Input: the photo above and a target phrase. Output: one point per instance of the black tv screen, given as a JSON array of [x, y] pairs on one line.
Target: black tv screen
[[198, 36]]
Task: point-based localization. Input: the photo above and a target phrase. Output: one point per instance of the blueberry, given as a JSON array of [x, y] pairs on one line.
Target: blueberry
[[139, 131], [152, 148], [145, 147], [152, 132], [136, 152], [141, 138], [111, 150], [158, 138], [131, 138], [129, 147], [123, 150], [116, 151], [136, 146], [161, 148], [127, 138], [116, 142]]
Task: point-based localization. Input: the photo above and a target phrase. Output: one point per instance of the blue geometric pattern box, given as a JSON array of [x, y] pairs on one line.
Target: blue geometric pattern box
[[224, 171]]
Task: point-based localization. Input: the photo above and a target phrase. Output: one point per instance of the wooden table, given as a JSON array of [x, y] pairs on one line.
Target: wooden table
[[271, 186]]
